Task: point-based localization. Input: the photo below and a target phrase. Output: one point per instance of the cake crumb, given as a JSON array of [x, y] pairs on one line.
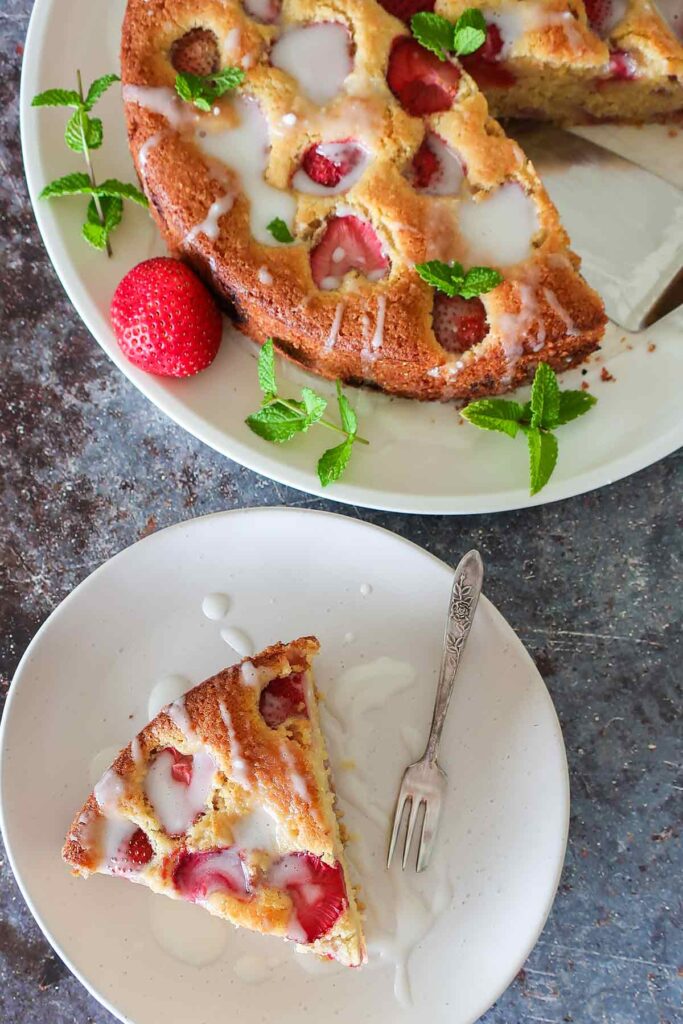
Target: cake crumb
[[605, 375], [651, 347], [584, 385], [672, 133]]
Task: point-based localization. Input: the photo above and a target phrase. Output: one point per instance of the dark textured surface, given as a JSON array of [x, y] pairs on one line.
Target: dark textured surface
[[89, 466]]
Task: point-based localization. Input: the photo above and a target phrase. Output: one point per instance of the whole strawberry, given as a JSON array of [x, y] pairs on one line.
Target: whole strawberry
[[165, 320]]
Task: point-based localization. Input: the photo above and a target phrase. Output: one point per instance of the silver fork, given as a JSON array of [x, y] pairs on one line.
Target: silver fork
[[424, 782]]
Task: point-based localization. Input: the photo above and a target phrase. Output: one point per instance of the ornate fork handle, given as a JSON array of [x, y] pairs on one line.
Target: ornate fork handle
[[469, 576]]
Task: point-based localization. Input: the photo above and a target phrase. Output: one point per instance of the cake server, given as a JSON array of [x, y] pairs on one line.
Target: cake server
[[624, 222], [424, 782]]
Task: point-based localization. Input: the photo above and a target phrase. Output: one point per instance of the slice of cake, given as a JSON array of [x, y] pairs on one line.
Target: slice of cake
[[577, 61], [312, 195], [224, 800]]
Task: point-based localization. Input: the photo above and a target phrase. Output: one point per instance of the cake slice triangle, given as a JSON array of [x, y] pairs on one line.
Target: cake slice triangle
[[224, 800]]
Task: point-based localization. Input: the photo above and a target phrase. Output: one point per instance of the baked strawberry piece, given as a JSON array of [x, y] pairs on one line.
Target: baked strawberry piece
[[458, 323], [485, 64], [330, 162], [420, 81], [165, 320], [183, 806], [348, 243]]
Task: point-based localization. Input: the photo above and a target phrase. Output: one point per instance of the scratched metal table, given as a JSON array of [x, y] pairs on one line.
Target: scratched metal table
[[89, 466]]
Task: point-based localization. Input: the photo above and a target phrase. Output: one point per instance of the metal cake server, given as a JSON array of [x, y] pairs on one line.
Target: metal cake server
[[624, 222], [425, 782]]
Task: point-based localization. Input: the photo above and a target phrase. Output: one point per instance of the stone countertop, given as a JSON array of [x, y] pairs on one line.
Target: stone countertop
[[591, 585]]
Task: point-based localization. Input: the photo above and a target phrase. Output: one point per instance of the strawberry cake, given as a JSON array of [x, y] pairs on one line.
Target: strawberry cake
[[578, 62], [224, 800], [372, 156]]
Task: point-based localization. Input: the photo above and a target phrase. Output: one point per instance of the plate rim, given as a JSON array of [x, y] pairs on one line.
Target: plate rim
[[251, 458], [277, 510]]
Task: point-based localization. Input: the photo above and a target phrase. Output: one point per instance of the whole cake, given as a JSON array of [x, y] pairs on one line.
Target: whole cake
[[224, 800], [376, 156]]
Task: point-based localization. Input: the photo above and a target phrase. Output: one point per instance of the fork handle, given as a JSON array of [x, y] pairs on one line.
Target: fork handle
[[467, 583]]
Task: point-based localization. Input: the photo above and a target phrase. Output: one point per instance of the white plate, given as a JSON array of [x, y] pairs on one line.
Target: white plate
[[83, 685], [421, 459]]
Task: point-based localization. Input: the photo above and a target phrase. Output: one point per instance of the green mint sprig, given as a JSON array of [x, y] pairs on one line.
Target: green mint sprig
[[82, 134], [280, 419], [204, 90], [548, 408], [452, 279], [280, 231], [442, 37]]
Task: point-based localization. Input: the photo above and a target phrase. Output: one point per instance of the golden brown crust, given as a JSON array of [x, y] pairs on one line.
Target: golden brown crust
[[258, 766], [329, 332]]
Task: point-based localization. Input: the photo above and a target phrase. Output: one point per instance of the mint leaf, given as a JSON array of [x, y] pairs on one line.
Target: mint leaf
[[98, 88], [79, 126], [280, 231], [451, 279], [75, 184], [114, 187], [266, 370], [57, 98], [495, 414], [314, 404], [349, 420], [545, 397], [542, 458], [479, 280], [433, 32], [93, 231], [446, 277], [573, 404], [204, 90], [334, 461], [469, 32], [278, 422]]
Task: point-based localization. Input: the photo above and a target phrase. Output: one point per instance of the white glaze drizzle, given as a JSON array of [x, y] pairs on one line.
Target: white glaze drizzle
[[317, 56], [499, 229], [332, 337], [244, 148], [176, 804], [209, 226], [161, 100], [239, 767], [299, 784], [264, 276], [215, 606]]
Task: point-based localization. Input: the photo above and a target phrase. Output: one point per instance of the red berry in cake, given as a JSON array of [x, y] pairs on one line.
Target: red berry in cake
[[436, 169], [196, 52], [348, 243], [197, 874], [603, 15], [283, 698], [484, 65], [622, 65], [421, 82], [181, 768], [405, 9], [458, 323], [316, 890], [329, 162], [139, 850], [165, 320]]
